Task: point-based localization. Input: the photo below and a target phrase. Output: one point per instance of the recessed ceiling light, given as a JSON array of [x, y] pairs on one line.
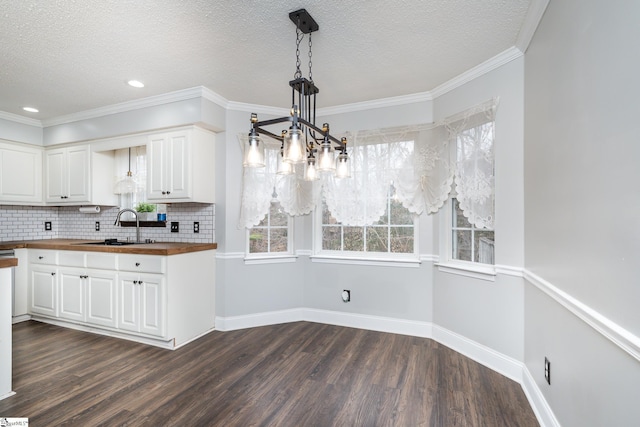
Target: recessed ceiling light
[[31, 109], [135, 83]]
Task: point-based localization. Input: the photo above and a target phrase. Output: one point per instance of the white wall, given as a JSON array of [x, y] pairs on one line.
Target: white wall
[[582, 208]]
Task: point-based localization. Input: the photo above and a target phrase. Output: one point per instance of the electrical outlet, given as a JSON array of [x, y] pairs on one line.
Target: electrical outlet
[[346, 295], [175, 227], [97, 225], [47, 226], [196, 227], [547, 370]]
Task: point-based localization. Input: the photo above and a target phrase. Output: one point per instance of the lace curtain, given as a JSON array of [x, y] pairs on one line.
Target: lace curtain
[[474, 172], [418, 161]]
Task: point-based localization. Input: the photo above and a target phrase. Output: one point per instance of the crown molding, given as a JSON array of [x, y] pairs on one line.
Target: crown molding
[[151, 101], [533, 18], [20, 119], [479, 70], [376, 103], [212, 96], [258, 109], [531, 22]]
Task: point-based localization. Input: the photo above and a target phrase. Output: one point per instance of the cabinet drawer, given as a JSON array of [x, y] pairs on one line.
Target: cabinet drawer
[[71, 258], [42, 256], [142, 263], [101, 261]]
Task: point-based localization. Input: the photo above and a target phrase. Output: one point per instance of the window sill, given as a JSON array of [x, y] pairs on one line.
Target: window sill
[[477, 271], [386, 262], [269, 259]]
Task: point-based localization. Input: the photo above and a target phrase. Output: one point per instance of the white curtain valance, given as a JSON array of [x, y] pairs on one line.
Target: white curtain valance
[[421, 162]]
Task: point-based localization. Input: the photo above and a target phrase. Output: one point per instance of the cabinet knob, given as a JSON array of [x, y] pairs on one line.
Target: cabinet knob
[[135, 282], [40, 257], [139, 282], [53, 274], [164, 192], [137, 264], [168, 192]]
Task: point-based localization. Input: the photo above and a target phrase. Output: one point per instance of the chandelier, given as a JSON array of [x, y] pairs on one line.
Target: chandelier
[[303, 140]]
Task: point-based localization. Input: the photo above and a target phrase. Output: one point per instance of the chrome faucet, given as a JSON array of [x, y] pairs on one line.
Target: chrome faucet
[[137, 222]]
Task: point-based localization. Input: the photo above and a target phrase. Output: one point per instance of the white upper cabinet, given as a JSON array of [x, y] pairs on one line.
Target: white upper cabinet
[[68, 177], [75, 175], [180, 166], [20, 174]]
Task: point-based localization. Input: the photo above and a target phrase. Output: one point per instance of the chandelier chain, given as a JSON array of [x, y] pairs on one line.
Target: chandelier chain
[[310, 64], [299, 37]]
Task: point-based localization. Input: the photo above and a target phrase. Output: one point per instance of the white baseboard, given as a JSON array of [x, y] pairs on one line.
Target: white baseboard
[[505, 365], [372, 323], [4, 396], [258, 319], [20, 318], [540, 407]]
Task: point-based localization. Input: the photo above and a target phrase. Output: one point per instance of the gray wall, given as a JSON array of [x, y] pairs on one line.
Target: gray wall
[[582, 207]]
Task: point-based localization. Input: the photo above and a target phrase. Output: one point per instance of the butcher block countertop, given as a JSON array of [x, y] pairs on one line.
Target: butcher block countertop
[[8, 262], [158, 248]]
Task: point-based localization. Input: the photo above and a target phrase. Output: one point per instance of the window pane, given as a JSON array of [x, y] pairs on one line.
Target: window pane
[[459, 219], [377, 239], [462, 245], [279, 240], [484, 245], [278, 217], [264, 222], [353, 238], [331, 238], [402, 240], [326, 215], [258, 240], [384, 219], [399, 214]]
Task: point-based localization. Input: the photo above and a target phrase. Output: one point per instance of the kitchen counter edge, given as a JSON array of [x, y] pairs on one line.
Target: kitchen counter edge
[[158, 248]]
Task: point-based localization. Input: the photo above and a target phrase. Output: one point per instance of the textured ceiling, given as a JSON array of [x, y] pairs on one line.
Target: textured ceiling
[[67, 56]]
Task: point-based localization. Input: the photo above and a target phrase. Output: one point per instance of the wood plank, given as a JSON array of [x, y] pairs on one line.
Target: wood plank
[[294, 374]]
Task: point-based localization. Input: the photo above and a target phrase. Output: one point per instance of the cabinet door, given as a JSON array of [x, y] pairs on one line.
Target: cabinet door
[[72, 294], [168, 167], [178, 167], [56, 177], [67, 175], [101, 298], [20, 174], [129, 303], [44, 291], [78, 176], [152, 304], [156, 170]]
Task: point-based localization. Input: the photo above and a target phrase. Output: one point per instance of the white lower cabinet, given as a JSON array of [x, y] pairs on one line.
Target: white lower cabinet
[[44, 290], [71, 284], [157, 299], [102, 298], [88, 296], [142, 303]]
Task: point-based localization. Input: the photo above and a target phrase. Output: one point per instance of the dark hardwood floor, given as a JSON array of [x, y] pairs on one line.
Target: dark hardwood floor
[[296, 374]]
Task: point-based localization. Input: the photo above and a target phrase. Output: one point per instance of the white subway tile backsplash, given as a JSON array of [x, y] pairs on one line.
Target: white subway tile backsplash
[[27, 223]]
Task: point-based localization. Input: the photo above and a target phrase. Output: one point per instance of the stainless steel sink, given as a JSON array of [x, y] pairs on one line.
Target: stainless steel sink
[[109, 242]]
